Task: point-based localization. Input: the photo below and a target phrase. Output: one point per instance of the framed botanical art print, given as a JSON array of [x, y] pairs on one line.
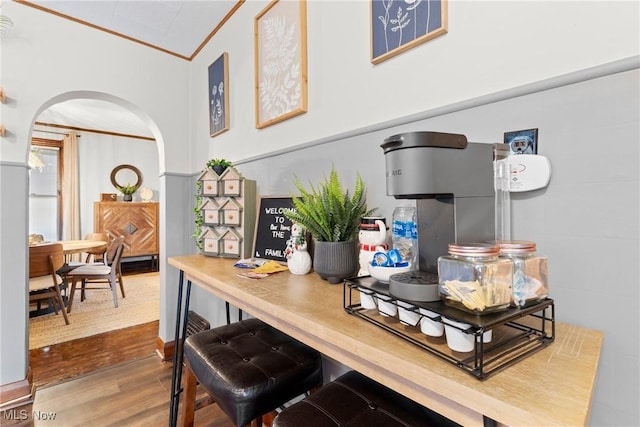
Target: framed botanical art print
[[399, 25], [280, 32], [219, 95]]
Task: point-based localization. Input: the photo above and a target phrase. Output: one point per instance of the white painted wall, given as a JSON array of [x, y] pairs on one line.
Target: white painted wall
[[491, 46], [99, 154], [46, 60], [491, 51]]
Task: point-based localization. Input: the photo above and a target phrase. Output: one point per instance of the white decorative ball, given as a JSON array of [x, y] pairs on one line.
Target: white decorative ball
[[299, 262]]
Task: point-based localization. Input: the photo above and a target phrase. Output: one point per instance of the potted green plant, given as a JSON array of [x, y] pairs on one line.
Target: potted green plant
[[332, 216], [198, 217], [127, 191], [219, 165]]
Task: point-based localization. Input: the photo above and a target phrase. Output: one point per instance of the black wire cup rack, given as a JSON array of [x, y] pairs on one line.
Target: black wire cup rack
[[515, 333]]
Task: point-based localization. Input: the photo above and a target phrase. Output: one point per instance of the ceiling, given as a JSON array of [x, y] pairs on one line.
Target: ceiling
[[177, 27], [89, 114]]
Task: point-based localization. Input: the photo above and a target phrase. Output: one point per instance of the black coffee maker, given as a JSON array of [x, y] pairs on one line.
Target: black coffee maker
[[452, 181]]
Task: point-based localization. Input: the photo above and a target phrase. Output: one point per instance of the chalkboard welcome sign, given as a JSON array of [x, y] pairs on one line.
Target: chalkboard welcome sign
[[273, 228]]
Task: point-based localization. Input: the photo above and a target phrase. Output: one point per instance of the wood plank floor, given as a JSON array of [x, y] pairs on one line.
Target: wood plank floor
[[71, 359], [108, 379]]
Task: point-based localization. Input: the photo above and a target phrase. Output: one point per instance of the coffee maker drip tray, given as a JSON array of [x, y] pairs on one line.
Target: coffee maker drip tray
[[415, 286]]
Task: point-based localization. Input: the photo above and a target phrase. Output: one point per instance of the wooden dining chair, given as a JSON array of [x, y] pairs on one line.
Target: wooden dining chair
[[107, 271], [35, 238], [44, 281], [94, 255], [97, 256]]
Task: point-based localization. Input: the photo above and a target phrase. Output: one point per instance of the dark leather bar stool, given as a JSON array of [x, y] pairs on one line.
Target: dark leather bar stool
[[357, 401], [249, 369]]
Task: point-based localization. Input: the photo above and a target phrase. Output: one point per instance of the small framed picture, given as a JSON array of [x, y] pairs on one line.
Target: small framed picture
[[522, 141], [219, 95], [396, 28]]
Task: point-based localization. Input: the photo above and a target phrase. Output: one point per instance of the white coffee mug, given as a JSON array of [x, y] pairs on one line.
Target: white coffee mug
[[428, 326]]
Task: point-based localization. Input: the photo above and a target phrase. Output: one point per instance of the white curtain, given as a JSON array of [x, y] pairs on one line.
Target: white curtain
[[70, 189]]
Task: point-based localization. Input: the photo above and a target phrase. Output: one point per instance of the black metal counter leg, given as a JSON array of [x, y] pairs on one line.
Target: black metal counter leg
[[488, 422], [178, 354], [226, 303]]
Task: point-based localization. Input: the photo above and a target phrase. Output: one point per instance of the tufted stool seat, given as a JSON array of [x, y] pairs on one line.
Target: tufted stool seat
[[355, 400], [249, 369]]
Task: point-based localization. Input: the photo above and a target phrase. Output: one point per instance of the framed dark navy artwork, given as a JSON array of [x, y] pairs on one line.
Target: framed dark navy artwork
[[219, 95], [522, 141], [399, 25]]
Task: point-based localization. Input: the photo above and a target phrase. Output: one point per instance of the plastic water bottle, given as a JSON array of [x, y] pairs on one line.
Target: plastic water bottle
[[404, 234]]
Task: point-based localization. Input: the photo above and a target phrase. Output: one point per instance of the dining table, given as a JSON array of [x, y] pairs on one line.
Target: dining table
[[71, 247]]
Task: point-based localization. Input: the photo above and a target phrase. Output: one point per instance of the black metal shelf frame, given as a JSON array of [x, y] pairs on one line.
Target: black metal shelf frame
[[518, 332]]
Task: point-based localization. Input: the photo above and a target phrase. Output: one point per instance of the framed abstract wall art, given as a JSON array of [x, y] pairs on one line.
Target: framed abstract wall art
[[280, 32], [219, 95], [399, 25]]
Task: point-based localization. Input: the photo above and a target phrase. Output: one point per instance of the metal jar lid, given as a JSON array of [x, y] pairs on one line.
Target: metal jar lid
[[474, 249], [368, 223], [516, 246]]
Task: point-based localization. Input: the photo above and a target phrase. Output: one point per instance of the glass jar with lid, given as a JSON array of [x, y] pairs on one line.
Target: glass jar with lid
[[530, 274], [474, 278]]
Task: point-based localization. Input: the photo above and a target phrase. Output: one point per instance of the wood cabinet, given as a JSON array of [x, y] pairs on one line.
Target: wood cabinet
[[138, 222]]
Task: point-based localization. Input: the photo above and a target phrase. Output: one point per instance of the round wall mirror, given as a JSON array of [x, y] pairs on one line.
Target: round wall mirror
[[124, 175]]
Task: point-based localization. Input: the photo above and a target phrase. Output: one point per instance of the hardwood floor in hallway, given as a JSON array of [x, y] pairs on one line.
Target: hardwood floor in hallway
[[67, 360], [109, 379]]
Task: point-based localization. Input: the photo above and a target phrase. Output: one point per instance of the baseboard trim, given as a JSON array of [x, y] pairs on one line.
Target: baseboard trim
[[165, 349], [17, 394]]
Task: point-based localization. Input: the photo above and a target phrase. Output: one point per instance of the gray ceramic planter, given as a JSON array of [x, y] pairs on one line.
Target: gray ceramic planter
[[335, 261]]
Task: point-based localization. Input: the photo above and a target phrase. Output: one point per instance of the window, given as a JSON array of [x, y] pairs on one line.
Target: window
[[45, 189]]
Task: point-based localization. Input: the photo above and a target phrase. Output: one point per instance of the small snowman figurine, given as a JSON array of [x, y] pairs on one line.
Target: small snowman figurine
[[298, 259], [373, 238]]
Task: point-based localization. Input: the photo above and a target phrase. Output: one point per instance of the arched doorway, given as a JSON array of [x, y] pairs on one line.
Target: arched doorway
[[103, 145]]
